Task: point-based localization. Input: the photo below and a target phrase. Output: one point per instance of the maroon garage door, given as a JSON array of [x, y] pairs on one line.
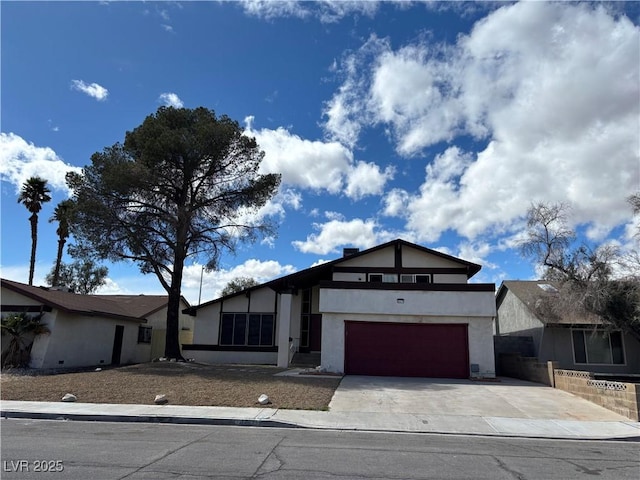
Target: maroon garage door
[[406, 349]]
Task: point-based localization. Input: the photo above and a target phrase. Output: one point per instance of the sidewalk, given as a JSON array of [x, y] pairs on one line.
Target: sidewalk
[[269, 417]]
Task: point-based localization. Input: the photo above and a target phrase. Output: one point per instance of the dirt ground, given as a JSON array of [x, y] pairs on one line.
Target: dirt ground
[[182, 383]]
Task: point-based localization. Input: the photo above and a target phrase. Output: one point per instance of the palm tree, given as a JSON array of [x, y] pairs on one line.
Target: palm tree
[[22, 329], [33, 194], [62, 215]]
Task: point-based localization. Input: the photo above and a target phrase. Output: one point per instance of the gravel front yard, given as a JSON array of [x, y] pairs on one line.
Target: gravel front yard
[[182, 383]]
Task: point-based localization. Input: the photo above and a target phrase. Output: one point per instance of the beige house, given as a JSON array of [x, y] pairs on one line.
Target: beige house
[[89, 330], [395, 309]]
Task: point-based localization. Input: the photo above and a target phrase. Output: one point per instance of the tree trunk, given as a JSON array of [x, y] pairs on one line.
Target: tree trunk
[[34, 241], [172, 344], [56, 272]]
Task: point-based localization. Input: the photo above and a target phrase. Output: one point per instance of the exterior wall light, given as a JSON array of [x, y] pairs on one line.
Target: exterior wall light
[[400, 300]]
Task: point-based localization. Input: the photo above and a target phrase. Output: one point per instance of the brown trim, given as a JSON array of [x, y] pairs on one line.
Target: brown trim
[[433, 287], [26, 308], [228, 348], [397, 257], [460, 271]]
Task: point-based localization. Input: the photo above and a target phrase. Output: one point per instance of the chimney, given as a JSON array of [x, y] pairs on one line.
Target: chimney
[[349, 251]]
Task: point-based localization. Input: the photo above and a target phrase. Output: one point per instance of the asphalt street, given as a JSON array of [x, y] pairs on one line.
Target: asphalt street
[[100, 450]]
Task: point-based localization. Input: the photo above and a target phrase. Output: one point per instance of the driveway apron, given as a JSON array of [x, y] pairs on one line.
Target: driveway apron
[[505, 397]]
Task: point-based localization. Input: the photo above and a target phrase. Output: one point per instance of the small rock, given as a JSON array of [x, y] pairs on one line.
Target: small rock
[[161, 400], [263, 399], [172, 360], [98, 369], [69, 397]]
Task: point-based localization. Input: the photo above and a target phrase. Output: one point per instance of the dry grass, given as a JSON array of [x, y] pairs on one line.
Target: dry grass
[[182, 383]]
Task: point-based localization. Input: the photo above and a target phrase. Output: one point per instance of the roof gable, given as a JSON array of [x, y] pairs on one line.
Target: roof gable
[[313, 275]]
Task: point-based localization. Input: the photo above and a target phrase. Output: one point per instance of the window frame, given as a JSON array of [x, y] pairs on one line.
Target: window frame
[[245, 319], [585, 332], [384, 277], [148, 331], [414, 277]]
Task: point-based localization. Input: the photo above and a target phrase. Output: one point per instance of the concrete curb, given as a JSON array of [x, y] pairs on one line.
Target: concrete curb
[[267, 423], [240, 422]]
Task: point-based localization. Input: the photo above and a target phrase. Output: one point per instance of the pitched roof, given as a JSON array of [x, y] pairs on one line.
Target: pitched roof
[[312, 275], [532, 293], [126, 307]]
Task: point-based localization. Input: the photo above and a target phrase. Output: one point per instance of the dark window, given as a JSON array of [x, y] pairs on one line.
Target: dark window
[[254, 329], [579, 349], [239, 329], [423, 278], [266, 330], [144, 334], [598, 347], [616, 348], [383, 277], [226, 329]]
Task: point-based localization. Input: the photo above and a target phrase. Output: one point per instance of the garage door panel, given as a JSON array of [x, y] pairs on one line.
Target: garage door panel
[[406, 349]]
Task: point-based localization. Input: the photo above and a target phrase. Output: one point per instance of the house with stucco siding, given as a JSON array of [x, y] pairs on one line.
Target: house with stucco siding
[[395, 309], [88, 330], [576, 343]]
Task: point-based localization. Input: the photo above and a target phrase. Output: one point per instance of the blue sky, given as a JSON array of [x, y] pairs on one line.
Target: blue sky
[[439, 123]]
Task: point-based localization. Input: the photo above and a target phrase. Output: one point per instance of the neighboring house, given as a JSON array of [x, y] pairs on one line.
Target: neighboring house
[[395, 309], [89, 330], [576, 343]]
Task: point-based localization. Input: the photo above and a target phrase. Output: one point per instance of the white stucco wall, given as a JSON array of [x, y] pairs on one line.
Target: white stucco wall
[[77, 341], [263, 300], [349, 277], [381, 258], [207, 325], [449, 278], [414, 258], [448, 303], [9, 297]]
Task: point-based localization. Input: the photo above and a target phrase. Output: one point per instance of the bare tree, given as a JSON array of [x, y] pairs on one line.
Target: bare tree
[[586, 274]]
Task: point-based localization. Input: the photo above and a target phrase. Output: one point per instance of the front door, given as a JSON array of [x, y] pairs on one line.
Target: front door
[[117, 345]]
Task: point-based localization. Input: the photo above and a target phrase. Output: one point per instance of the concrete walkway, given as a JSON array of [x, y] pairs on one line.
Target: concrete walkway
[[363, 421]]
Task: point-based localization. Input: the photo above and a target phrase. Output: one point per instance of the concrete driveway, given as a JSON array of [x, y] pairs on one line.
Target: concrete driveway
[[506, 397]]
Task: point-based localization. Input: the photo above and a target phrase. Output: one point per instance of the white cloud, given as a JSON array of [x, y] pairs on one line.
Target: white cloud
[[552, 89], [337, 233], [367, 179], [169, 99], [476, 252], [277, 206], [327, 11], [92, 89], [317, 165], [303, 163], [395, 203], [214, 282], [167, 28], [20, 160]]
